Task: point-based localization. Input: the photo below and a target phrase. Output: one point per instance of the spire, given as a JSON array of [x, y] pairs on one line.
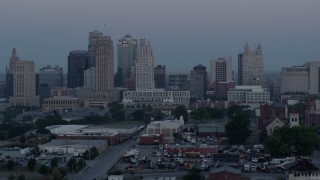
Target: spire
[[246, 49], [259, 49], [14, 53]]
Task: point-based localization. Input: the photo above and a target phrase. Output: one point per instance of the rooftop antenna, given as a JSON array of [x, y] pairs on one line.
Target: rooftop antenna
[[104, 27]]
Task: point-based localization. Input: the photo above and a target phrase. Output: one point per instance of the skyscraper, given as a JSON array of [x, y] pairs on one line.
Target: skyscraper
[[93, 37], [221, 70], [144, 66], [52, 76], [250, 66], [77, 63], [127, 57], [160, 76], [198, 81], [104, 64], [23, 73]]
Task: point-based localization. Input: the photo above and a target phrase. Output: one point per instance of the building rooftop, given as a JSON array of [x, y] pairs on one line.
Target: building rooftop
[[226, 169], [76, 143]]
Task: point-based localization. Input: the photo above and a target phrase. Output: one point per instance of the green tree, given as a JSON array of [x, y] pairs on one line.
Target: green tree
[[54, 162], [115, 172], [72, 164], [238, 129], [56, 174], [22, 139], [300, 140], [21, 177], [80, 164], [138, 115], [12, 177], [117, 111], [263, 136], [194, 174], [27, 118], [10, 165], [181, 110], [44, 170], [31, 164]]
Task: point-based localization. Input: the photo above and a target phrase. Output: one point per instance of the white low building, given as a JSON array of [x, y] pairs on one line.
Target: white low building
[[248, 95], [73, 146], [166, 127]]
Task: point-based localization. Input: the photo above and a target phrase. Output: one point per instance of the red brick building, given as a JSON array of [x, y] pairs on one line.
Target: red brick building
[[225, 173], [149, 139]]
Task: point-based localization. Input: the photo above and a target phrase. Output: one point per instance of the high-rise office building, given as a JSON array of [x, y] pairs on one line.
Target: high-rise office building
[[198, 81], [104, 64], [24, 92], [127, 57], [77, 63], [160, 76], [93, 37], [51, 75], [144, 66], [89, 78], [221, 70], [250, 66], [178, 81]]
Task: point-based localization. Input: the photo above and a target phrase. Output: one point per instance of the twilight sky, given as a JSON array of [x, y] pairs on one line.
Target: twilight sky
[[183, 33]]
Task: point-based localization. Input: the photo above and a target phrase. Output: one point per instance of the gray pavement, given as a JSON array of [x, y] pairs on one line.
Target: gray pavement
[[100, 166]]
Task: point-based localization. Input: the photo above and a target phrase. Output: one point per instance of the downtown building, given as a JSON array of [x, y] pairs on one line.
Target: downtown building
[[250, 66], [198, 82], [77, 63], [178, 81], [145, 92], [248, 95], [127, 58], [49, 77], [160, 76], [299, 81], [23, 81], [103, 53], [144, 66]]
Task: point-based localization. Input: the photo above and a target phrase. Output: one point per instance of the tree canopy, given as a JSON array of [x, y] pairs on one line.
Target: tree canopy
[[299, 140], [238, 129], [181, 110]]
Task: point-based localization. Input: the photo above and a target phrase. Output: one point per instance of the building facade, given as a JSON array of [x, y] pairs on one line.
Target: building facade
[[198, 82], [250, 66], [104, 64], [89, 78], [127, 57], [249, 95], [301, 79], [160, 77], [93, 37], [179, 81], [221, 70], [24, 87], [156, 97], [52, 76], [144, 66], [77, 63]]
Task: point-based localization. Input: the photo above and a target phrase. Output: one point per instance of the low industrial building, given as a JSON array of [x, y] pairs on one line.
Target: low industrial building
[[225, 173], [86, 132], [167, 127], [73, 146], [149, 139]]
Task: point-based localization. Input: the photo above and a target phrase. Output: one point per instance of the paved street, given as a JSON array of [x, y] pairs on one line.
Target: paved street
[[99, 167]]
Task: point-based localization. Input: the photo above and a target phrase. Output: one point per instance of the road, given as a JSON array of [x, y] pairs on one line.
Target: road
[[99, 167]]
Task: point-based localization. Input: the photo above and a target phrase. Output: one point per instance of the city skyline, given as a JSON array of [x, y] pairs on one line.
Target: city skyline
[[189, 32]]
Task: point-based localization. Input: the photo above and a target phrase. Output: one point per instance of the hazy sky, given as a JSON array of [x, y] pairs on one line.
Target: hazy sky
[[183, 33]]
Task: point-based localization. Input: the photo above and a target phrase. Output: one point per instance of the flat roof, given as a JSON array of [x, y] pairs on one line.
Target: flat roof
[[74, 142]]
